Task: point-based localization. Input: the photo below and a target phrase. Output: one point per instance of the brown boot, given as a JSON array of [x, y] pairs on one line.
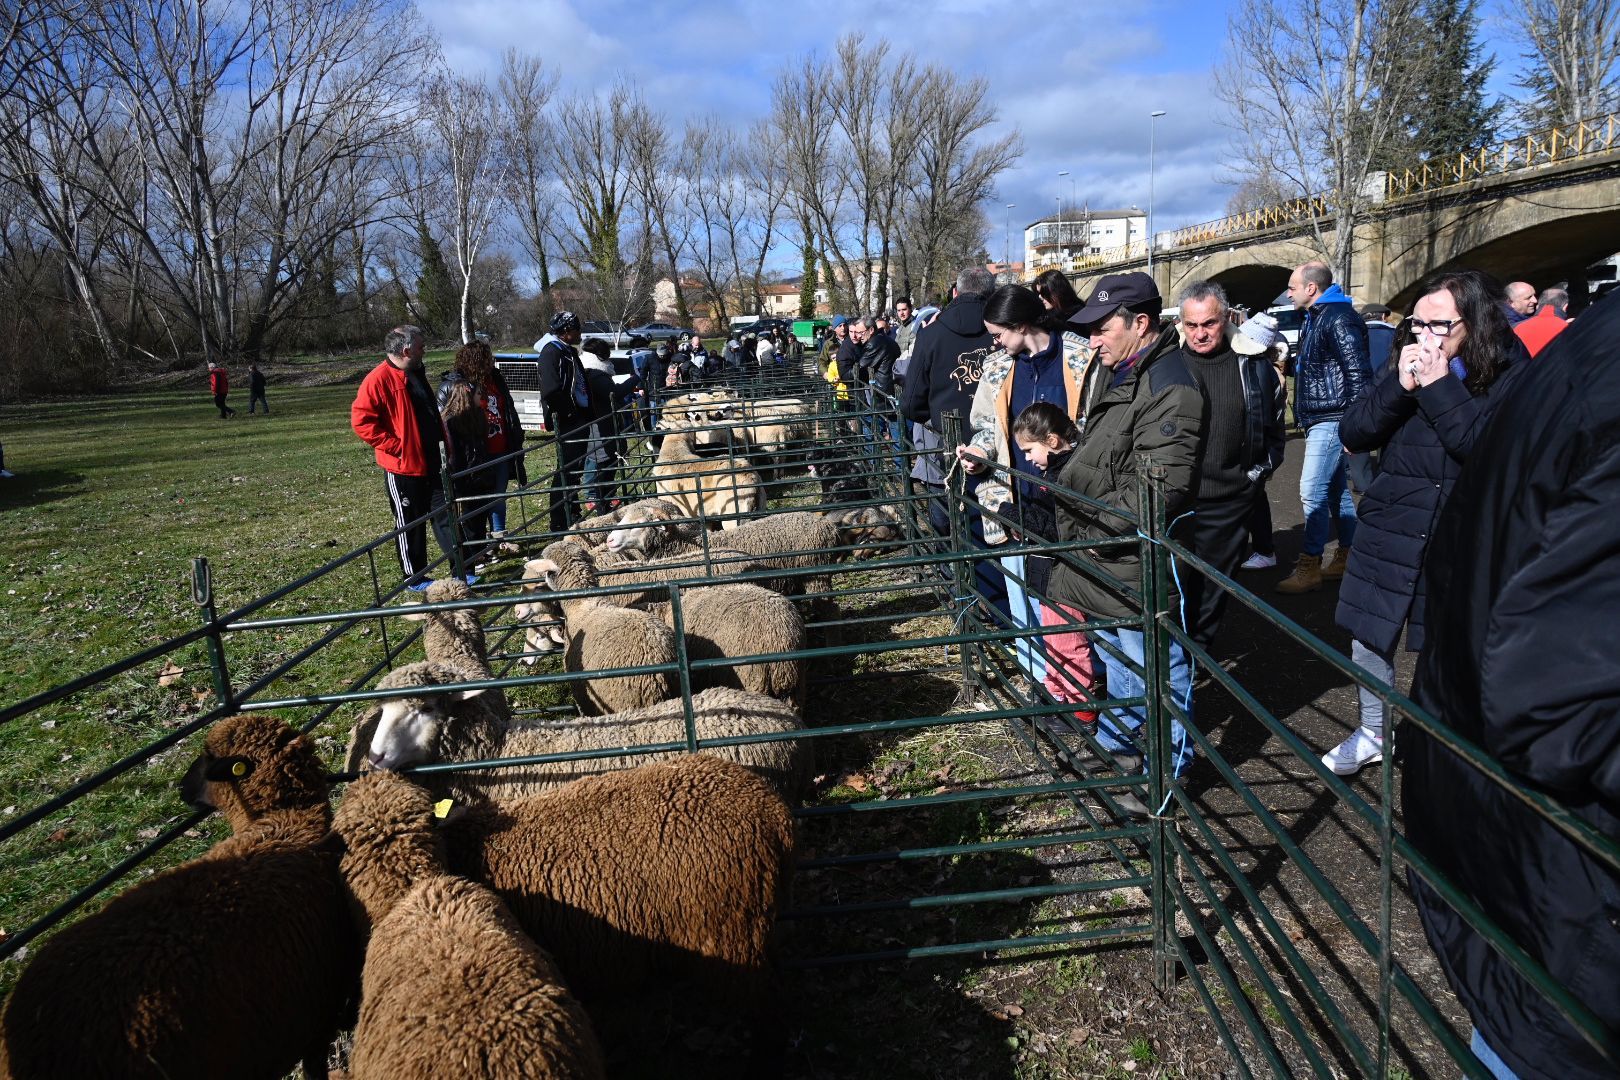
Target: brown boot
[[1307, 576], [1334, 570]]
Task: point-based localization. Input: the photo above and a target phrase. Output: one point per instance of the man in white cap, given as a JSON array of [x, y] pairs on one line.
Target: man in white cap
[[1243, 442]]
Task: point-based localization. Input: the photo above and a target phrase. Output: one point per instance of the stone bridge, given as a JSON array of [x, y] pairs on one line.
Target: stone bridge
[[1546, 220]]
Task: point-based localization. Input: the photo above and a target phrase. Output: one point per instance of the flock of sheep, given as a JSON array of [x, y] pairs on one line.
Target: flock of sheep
[[489, 922]]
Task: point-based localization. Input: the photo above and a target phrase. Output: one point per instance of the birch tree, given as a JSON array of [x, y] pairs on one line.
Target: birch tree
[[462, 115]]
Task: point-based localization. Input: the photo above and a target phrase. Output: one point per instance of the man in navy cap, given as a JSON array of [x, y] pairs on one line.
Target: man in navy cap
[[1151, 406]]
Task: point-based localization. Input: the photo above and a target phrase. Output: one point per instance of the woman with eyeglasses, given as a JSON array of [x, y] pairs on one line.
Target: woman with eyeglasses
[[1423, 413]]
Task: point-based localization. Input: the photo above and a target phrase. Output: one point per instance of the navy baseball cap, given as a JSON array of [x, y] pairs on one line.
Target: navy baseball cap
[[1134, 290]]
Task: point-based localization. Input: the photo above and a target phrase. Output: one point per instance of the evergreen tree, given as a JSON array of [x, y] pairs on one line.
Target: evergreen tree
[[438, 301], [808, 283], [1449, 112]]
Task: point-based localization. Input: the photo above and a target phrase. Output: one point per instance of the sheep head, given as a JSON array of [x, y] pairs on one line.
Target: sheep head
[[870, 526], [254, 764], [462, 623], [390, 841], [410, 728], [538, 578], [646, 527]]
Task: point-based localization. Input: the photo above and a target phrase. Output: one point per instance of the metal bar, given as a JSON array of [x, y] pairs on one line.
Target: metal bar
[[944, 850], [983, 896], [1160, 762], [1034, 941], [202, 593]]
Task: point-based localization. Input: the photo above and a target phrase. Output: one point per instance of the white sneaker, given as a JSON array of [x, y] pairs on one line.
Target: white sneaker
[[6, 474], [1355, 753], [1258, 561]]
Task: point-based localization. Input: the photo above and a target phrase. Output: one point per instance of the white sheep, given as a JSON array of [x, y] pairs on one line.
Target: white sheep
[[706, 487], [430, 732]]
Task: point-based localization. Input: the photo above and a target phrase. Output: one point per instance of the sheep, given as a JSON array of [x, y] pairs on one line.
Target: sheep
[[452, 986], [739, 620], [789, 541], [241, 962], [450, 637], [599, 635], [871, 526], [640, 878], [680, 564], [702, 487], [434, 734]]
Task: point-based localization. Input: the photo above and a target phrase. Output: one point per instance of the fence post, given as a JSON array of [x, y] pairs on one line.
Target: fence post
[[959, 541], [458, 564], [1156, 678], [202, 591]]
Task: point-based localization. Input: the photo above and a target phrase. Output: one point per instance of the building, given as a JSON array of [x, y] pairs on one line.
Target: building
[[781, 301], [1060, 237]]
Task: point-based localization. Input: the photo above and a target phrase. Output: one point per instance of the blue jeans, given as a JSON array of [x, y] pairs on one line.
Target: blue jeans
[[1489, 1059], [1322, 489], [1026, 614], [1115, 724], [498, 477]]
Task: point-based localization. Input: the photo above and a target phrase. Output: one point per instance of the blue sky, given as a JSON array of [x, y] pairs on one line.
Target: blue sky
[[1079, 78]]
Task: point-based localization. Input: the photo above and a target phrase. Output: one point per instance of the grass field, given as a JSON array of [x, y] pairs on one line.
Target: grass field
[[112, 500]]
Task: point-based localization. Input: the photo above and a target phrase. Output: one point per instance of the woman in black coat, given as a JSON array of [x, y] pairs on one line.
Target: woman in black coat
[[1423, 413]]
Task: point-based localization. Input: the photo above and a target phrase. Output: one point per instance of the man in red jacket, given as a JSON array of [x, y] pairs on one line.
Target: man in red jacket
[[394, 413], [219, 384], [1547, 323]]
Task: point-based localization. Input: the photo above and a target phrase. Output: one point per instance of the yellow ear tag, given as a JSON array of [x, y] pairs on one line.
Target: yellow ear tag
[[239, 769], [441, 809]]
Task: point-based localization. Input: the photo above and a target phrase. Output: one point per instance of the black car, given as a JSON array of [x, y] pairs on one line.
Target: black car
[[764, 326], [611, 333]]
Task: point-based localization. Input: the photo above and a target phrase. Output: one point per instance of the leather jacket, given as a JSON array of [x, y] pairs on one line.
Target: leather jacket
[[1333, 369]]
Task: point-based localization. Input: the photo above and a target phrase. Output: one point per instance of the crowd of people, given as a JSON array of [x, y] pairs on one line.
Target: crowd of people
[[1055, 396]]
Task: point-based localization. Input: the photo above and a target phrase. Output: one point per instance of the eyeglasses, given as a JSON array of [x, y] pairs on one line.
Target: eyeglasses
[[1437, 327]]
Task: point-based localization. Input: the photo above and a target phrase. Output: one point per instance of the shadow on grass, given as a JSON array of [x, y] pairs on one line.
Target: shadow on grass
[[35, 488]]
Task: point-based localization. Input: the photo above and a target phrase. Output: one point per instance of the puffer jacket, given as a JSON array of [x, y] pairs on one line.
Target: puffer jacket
[[1083, 380], [1519, 664], [1332, 370], [1425, 438], [1158, 411], [509, 416]]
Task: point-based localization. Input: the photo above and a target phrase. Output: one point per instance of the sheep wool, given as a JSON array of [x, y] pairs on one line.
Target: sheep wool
[[239, 963], [667, 870], [738, 621], [784, 763], [452, 986]]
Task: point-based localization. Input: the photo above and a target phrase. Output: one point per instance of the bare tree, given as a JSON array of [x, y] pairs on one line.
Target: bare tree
[[1574, 45], [802, 114], [462, 115], [658, 185], [1318, 90], [956, 166], [525, 90], [593, 170], [711, 190]]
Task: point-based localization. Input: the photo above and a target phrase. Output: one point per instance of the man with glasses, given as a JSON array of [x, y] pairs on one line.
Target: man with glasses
[[1331, 371]]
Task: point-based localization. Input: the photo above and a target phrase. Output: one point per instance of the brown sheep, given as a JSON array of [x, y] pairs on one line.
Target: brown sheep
[[452, 986], [674, 869], [241, 962]]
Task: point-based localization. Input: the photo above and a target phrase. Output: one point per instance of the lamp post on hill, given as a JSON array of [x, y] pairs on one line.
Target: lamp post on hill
[[1006, 238], [1070, 175], [1152, 127]]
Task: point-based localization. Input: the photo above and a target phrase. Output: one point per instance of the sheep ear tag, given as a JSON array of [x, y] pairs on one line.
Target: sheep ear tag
[[441, 809], [226, 769]]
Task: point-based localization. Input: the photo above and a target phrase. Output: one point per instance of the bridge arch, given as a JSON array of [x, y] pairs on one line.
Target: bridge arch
[[1544, 251], [1253, 275]]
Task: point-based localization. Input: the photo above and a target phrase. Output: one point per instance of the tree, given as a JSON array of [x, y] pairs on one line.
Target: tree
[[1324, 102], [1571, 60], [1447, 111], [434, 304], [807, 279], [657, 182], [461, 113], [525, 89], [592, 155]]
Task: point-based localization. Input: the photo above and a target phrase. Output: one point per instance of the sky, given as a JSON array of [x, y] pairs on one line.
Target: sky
[[1079, 78]]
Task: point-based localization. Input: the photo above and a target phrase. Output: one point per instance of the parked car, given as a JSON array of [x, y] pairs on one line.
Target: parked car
[[613, 333], [1289, 321], [659, 331]]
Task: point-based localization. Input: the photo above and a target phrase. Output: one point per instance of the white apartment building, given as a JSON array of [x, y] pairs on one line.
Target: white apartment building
[[1061, 236]]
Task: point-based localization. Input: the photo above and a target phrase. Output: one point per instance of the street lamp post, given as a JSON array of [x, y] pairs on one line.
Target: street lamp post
[[1072, 201], [1152, 126], [1006, 239]]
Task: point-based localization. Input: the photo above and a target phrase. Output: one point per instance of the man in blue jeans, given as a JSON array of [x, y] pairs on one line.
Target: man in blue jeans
[[1331, 372]]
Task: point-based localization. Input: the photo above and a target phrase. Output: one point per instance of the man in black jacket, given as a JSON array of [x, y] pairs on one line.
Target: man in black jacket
[[567, 399], [1522, 576], [946, 362], [1331, 373]]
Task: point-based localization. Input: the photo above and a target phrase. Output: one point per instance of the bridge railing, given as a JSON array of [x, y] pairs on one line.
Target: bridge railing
[[1550, 146]]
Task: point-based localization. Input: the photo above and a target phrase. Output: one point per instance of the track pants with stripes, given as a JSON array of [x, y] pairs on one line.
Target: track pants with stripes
[[412, 497]]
